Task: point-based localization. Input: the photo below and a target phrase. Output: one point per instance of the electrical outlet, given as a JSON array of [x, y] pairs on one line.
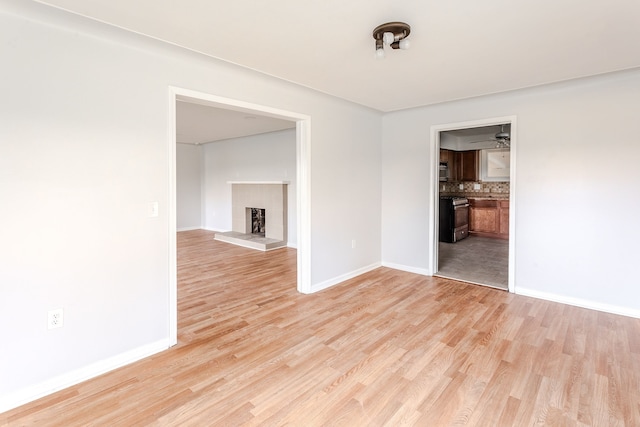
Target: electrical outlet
[[353, 244], [55, 318]]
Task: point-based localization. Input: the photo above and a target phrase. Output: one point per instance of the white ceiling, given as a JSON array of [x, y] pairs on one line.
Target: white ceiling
[[459, 48], [199, 124]]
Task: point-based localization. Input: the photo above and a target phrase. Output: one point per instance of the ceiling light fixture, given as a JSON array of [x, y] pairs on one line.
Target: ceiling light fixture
[[392, 34], [503, 138], [503, 143]]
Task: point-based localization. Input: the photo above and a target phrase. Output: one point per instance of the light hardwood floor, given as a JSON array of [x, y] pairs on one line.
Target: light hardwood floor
[[386, 348]]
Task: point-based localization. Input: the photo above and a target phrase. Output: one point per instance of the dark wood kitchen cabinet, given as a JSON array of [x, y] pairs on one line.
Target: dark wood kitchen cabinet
[[463, 165], [450, 157], [446, 156], [503, 213], [483, 216], [489, 218], [468, 165]]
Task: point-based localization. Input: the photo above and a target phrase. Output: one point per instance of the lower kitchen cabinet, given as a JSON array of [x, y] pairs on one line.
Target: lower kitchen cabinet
[[489, 218], [503, 213]]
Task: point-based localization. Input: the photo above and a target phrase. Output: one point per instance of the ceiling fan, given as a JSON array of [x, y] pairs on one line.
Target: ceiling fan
[[502, 139]]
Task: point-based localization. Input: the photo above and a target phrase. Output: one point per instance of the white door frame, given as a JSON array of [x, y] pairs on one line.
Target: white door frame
[[435, 199], [303, 186]]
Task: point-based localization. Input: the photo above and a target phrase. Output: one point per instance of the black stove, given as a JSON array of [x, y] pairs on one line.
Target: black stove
[[454, 218], [456, 200]]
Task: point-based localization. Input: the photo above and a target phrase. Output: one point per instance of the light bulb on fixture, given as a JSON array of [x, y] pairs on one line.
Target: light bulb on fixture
[[379, 49], [388, 38], [393, 34]]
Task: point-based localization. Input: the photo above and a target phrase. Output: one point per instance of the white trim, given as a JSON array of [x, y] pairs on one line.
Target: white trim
[[303, 163], [303, 196], [513, 143], [344, 277], [203, 188], [188, 229], [434, 199], [578, 302], [259, 182], [29, 394], [214, 229], [407, 268], [172, 215]]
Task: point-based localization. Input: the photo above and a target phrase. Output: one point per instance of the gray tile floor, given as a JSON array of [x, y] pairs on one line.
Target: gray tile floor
[[480, 260]]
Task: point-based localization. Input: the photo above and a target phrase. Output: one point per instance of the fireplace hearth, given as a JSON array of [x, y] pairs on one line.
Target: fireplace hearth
[[258, 215]]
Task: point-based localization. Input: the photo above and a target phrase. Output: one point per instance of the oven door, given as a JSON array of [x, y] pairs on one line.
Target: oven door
[[460, 222]]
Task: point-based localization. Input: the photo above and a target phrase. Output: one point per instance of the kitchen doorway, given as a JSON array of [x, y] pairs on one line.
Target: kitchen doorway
[[473, 198]]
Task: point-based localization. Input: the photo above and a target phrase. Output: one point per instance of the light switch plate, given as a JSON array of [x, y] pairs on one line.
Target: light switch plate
[[153, 209]]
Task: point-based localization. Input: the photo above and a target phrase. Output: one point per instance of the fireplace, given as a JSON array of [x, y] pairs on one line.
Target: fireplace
[[258, 215]]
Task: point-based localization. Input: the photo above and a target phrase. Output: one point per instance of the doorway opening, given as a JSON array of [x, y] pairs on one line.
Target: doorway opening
[[303, 160], [473, 212]]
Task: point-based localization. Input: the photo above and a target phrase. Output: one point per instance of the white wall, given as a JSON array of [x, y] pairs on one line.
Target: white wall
[[266, 157], [576, 184], [85, 150], [189, 191]]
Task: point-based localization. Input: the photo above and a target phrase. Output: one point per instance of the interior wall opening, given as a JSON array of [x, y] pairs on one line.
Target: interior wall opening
[[302, 124], [473, 202]]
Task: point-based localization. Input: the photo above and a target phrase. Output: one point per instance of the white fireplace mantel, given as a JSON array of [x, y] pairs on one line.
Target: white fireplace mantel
[[259, 182]]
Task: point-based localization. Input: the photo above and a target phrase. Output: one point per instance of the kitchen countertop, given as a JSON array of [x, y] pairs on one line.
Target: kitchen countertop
[[479, 196]]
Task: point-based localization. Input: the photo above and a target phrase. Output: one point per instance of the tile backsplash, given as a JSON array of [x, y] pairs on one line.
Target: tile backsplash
[[468, 187]]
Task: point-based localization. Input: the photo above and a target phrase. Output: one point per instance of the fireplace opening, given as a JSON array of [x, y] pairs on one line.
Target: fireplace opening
[[249, 205], [257, 221]]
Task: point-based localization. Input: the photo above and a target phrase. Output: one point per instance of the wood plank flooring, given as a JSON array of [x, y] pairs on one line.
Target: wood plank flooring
[[386, 348]]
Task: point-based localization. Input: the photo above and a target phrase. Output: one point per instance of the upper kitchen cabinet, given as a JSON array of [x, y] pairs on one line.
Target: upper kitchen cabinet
[[468, 165], [446, 156], [495, 164], [463, 165]]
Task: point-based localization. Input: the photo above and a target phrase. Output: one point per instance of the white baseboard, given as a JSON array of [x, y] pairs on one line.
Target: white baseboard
[[31, 393], [217, 230], [614, 309], [408, 269], [331, 282], [188, 228], [578, 302]]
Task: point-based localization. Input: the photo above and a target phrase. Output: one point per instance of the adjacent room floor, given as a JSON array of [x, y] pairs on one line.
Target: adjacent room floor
[[480, 260]]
